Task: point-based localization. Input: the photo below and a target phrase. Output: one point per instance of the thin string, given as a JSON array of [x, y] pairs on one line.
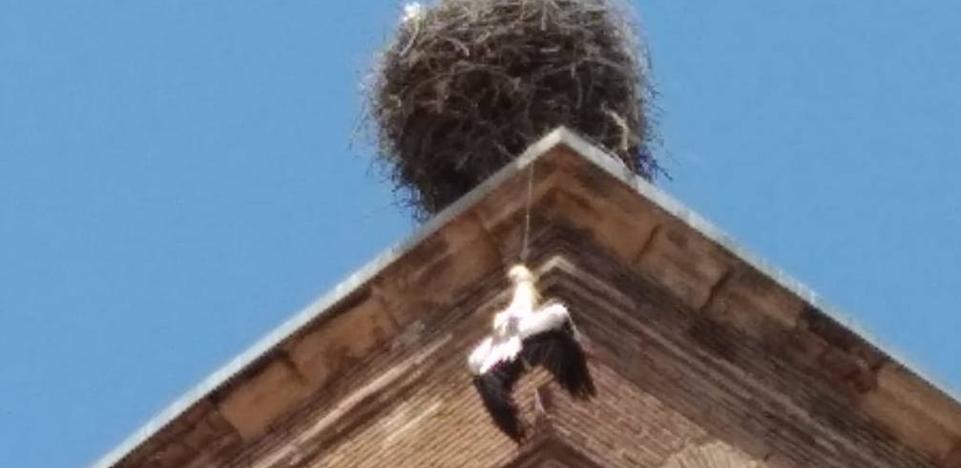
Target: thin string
[[527, 215]]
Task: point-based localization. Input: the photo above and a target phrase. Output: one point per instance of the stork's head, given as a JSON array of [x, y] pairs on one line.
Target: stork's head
[[520, 274]]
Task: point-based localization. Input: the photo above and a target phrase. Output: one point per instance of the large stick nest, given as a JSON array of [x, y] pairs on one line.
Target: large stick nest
[[466, 85]]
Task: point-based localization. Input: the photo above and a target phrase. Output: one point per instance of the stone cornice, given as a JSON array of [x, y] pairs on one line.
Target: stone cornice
[[717, 323]]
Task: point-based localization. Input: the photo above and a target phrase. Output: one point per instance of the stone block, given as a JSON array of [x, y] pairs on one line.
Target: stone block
[[334, 344], [251, 405], [684, 263], [173, 455], [436, 273], [624, 236], [907, 424], [895, 380], [511, 199], [848, 370], [755, 304], [203, 435]]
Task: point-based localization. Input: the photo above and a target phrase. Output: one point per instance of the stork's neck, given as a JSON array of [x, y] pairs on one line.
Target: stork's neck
[[525, 296]]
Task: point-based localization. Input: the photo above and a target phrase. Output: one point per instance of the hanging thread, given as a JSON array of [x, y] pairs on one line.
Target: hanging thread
[[527, 214]]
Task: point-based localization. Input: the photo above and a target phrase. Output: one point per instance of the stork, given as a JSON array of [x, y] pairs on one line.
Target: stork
[[526, 334]]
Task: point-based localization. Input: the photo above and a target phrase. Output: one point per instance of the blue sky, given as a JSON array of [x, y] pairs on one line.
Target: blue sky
[[175, 180]]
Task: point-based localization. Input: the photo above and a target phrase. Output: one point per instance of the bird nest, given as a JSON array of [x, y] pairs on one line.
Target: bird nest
[[466, 85]]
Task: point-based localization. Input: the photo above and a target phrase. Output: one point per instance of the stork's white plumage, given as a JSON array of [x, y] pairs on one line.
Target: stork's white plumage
[[526, 334]]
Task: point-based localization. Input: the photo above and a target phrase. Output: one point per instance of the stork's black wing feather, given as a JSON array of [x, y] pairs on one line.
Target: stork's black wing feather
[[559, 352], [494, 387]]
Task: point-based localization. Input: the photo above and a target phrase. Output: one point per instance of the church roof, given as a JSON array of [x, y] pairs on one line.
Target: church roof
[[704, 354]]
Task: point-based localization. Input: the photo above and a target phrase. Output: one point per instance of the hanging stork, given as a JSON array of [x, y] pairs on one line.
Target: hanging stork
[[526, 334]]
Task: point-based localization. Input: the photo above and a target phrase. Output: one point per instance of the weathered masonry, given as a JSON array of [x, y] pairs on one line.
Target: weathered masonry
[[703, 355]]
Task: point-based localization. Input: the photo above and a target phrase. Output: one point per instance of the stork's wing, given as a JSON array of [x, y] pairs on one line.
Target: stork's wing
[[559, 353], [551, 316], [494, 388], [550, 341]]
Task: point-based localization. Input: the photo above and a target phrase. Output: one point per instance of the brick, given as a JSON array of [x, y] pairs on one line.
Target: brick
[[251, 405]]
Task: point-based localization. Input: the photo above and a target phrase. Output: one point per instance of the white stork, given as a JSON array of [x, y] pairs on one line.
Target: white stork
[[526, 334]]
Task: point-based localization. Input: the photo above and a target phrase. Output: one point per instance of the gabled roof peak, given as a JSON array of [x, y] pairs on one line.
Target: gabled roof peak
[[678, 289]]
